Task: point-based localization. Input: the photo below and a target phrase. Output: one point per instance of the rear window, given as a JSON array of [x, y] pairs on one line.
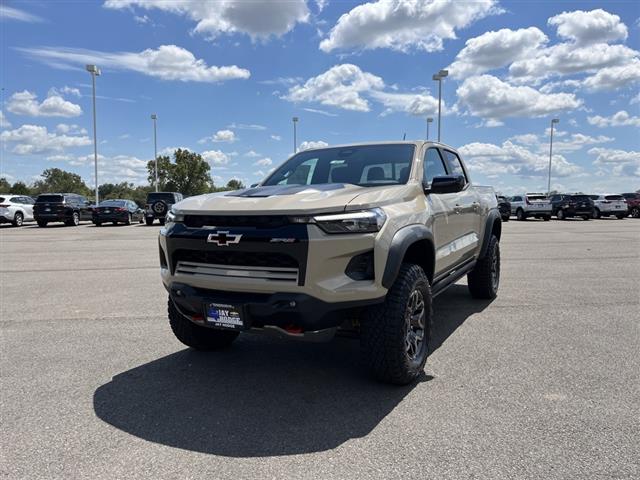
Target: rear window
[[49, 198], [537, 197], [113, 203], [594, 197], [580, 198], [613, 197], [1, 199], [167, 197]]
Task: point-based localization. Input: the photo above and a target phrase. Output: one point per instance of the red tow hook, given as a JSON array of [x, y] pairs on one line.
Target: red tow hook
[[197, 318], [293, 329]]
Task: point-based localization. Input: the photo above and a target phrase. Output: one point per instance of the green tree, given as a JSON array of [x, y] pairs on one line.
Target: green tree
[[20, 188], [57, 180], [235, 184], [5, 186], [189, 174], [164, 171]]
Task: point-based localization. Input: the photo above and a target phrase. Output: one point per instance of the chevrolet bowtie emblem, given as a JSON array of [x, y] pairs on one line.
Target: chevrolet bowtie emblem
[[222, 239]]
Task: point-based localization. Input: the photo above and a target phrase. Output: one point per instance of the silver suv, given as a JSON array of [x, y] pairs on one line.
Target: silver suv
[[529, 205]]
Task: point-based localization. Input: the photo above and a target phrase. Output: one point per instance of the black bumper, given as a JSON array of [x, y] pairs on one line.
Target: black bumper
[[103, 218], [53, 217], [259, 309]]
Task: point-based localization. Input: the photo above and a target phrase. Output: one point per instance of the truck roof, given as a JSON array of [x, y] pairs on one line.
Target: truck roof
[[417, 143]]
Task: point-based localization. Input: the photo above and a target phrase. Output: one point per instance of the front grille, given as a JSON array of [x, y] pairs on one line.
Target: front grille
[[238, 221], [231, 258], [256, 274]]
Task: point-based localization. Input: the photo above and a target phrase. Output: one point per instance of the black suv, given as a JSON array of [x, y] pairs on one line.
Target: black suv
[[504, 206], [158, 205], [69, 208], [567, 206]]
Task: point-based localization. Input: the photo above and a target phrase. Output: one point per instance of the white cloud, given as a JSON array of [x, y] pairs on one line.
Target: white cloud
[[264, 162], [64, 91], [419, 104], [4, 123], [621, 118], [489, 97], [621, 162], [72, 129], [247, 126], [340, 86], [30, 139], [615, 77], [526, 139], [277, 138], [496, 49], [115, 169], [563, 141], [320, 112], [510, 158], [167, 62], [635, 99], [215, 157], [312, 144], [224, 136], [586, 28], [256, 19], [11, 13], [402, 25], [577, 141], [26, 103], [252, 154]]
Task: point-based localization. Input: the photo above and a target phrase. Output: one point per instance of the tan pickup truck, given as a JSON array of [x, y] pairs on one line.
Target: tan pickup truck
[[354, 238]]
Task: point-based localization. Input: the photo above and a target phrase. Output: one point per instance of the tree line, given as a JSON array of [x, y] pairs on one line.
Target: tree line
[[187, 172]]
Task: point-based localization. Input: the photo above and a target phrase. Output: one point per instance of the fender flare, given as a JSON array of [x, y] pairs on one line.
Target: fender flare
[[402, 240], [492, 218]]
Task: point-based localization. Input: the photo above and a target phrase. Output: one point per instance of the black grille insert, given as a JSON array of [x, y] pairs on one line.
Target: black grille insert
[[246, 221], [248, 259]]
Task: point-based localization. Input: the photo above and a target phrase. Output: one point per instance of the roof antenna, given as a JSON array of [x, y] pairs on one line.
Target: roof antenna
[[404, 137]]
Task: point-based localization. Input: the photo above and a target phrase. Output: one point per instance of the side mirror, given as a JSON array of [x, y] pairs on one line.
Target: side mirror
[[253, 185], [446, 184]]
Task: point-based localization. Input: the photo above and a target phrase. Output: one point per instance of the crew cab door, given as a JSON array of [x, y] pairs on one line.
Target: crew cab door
[[463, 214]]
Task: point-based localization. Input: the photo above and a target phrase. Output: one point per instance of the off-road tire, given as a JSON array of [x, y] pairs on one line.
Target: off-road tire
[[484, 279], [18, 219], [74, 221], [148, 221], [195, 336], [383, 330], [42, 223], [161, 220], [520, 215]]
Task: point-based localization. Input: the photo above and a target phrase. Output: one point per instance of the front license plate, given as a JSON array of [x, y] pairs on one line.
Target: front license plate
[[224, 316]]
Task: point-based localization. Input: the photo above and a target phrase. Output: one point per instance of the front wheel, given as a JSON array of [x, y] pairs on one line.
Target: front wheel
[[149, 221], [74, 221], [484, 279], [520, 215], [18, 219], [394, 336], [635, 212], [128, 220], [195, 336]]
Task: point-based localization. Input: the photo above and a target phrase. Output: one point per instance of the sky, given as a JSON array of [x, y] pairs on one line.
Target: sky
[[225, 79]]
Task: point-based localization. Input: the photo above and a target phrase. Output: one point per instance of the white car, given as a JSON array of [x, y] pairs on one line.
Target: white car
[[609, 205], [16, 209], [531, 205]]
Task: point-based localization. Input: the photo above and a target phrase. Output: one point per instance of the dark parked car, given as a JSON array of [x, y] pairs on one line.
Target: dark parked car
[[633, 203], [504, 206], [117, 211], [69, 208], [568, 206], [158, 205]]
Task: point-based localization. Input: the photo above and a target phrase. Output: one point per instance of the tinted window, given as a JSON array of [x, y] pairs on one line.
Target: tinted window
[[580, 198], [613, 197], [155, 196], [366, 165], [49, 199], [113, 203], [537, 197], [517, 199], [29, 200], [16, 200], [433, 165], [453, 163]]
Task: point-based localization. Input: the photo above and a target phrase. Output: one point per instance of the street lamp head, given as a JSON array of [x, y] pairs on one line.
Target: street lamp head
[[443, 73], [437, 77], [429, 120], [555, 120], [154, 116], [93, 69], [295, 119]]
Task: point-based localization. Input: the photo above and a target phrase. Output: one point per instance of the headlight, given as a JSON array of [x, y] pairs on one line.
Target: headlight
[[366, 221], [174, 217]]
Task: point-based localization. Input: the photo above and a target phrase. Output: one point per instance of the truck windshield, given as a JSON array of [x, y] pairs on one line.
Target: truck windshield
[[155, 196], [366, 165], [49, 198]]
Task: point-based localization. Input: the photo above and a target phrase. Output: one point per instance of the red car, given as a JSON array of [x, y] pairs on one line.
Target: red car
[[633, 203]]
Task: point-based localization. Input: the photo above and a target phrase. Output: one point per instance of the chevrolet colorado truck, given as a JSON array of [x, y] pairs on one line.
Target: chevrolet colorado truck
[[355, 238]]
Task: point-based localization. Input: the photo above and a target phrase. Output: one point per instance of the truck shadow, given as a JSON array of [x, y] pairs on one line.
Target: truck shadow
[[263, 397]]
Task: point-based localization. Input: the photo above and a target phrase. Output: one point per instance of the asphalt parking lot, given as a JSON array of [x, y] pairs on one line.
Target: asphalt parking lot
[[543, 382]]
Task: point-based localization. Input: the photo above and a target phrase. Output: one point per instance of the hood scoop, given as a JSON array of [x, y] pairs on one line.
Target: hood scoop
[[280, 190]]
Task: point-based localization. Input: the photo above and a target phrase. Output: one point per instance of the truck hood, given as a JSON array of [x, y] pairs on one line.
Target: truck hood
[[274, 200]]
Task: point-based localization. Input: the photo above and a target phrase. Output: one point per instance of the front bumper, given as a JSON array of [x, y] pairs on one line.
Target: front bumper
[[284, 310]]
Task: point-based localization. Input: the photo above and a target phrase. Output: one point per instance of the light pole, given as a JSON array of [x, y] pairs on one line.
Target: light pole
[[154, 117], [553, 121], [94, 71], [438, 77], [429, 120], [295, 135]]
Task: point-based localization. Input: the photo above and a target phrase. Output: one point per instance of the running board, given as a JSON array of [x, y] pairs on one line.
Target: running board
[[453, 276]]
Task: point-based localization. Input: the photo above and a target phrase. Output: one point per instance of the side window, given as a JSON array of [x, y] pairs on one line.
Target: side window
[[16, 200], [433, 165], [453, 164], [517, 199]]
